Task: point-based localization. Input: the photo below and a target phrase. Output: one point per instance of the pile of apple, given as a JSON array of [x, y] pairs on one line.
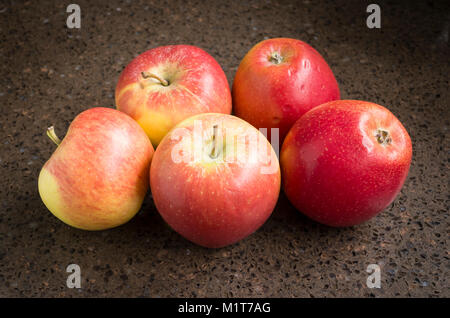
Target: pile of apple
[[214, 177]]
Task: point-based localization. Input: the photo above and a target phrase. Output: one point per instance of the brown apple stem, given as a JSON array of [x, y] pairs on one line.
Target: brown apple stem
[[52, 135], [383, 137], [276, 58], [146, 75], [214, 152]]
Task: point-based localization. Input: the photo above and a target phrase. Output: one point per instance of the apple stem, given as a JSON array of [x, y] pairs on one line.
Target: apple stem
[[214, 152], [52, 135], [383, 137], [276, 58], [163, 82]]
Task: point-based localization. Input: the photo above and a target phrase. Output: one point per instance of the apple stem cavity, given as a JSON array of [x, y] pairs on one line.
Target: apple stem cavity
[[275, 58], [52, 135], [214, 152], [383, 137], [162, 81]]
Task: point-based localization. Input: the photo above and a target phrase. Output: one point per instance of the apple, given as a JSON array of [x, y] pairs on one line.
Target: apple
[[345, 161], [215, 179], [278, 81], [167, 84], [98, 175]]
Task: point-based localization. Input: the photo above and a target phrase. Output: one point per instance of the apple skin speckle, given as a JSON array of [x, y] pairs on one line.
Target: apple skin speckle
[[334, 168]]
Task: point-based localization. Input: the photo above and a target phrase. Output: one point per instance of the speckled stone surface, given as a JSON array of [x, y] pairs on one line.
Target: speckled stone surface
[[50, 73]]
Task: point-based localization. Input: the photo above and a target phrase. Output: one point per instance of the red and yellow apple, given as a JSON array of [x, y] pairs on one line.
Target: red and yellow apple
[[165, 85], [345, 161], [278, 81], [98, 175], [215, 179]]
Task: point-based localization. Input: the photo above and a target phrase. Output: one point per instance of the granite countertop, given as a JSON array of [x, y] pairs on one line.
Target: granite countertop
[[50, 73]]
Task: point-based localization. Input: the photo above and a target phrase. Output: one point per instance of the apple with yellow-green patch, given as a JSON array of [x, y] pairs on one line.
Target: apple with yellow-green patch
[[97, 177], [165, 85]]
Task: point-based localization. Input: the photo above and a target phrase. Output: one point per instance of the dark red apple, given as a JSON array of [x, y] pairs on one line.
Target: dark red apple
[[345, 161]]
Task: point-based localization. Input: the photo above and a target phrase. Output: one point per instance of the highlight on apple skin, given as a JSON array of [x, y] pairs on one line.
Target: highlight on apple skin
[[167, 84], [207, 182], [98, 175], [345, 161], [278, 81]]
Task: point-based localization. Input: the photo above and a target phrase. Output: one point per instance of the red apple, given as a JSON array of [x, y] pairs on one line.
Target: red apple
[[165, 85], [278, 81], [97, 178], [345, 161], [215, 179]]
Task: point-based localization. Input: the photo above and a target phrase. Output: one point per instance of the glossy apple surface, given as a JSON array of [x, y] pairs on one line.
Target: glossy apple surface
[[215, 194], [165, 85], [278, 81], [98, 175], [345, 161]]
